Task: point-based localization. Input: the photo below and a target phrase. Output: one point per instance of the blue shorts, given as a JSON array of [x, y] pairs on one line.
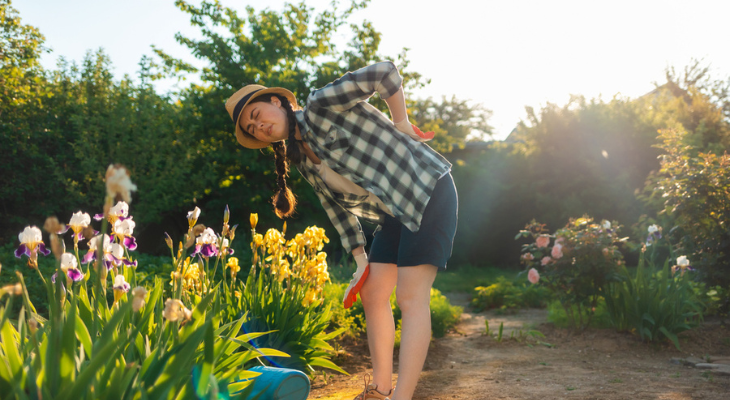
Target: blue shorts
[[432, 244]]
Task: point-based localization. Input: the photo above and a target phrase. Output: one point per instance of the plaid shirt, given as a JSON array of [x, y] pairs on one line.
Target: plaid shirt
[[360, 143]]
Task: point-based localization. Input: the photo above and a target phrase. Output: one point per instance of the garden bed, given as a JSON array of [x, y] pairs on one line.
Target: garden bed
[[592, 364]]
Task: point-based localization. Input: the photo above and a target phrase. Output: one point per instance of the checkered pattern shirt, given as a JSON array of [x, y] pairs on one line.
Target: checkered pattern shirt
[[360, 143]]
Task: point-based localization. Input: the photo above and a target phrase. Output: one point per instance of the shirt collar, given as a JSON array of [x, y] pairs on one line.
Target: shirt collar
[[301, 121]]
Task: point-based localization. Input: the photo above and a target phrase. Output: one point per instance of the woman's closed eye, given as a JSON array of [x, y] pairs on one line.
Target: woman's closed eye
[[250, 126]]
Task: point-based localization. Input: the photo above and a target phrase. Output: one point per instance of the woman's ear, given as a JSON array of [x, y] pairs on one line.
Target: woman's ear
[[275, 101]]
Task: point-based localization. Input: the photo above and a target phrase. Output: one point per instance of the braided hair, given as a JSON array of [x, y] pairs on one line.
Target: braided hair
[[285, 152]]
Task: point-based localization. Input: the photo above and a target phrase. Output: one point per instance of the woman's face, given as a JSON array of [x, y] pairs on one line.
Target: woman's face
[[266, 121]]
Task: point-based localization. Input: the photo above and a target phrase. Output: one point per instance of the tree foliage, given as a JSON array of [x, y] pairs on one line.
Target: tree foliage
[[66, 126], [587, 157], [453, 120], [692, 192]]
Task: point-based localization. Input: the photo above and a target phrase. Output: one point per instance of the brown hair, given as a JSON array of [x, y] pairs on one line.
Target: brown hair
[[285, 152]]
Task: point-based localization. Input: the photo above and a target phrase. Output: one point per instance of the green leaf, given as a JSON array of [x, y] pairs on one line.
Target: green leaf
[[82, 333], [333, 334], [647, 317], [671, 336], [645, 332], [205, 371], [181, 361], [107, 353], [319, 344], [325, 363], [10, 345]]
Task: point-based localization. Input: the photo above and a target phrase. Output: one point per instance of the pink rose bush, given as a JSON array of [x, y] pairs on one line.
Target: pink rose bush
[[574, 262], [542, 241]]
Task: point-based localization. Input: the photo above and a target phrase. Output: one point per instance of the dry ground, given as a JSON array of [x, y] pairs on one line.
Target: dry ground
[[593, 364]]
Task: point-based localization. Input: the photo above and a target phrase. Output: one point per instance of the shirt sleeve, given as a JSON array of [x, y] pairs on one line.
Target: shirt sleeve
[[354, 87], [347, 224]]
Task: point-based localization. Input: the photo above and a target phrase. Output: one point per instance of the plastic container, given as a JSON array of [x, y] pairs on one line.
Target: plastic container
[[280, 384]]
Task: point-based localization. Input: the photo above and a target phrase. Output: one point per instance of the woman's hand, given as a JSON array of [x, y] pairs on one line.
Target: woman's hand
[[397, 106], [411, 130]]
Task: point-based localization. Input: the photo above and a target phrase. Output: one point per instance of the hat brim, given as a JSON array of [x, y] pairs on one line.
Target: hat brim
[[249, 141]]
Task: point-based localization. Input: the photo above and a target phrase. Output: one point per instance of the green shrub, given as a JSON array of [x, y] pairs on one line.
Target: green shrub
[[506, 295], [599, 318], [492, 296], [351, 320], [692, 189], [444, 316], [583, 258], [714, 299], [654, 304]]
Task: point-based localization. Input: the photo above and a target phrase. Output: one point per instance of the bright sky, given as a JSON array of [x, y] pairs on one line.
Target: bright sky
[[504, 54]]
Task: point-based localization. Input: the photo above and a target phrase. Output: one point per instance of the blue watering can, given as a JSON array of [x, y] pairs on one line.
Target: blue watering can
[[280, 384]]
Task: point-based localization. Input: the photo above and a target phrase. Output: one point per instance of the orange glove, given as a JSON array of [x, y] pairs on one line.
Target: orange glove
[[358, 279], [426, 136]]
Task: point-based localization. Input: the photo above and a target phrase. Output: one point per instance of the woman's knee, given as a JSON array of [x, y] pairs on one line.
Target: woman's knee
[[412, 300], [414, 287], [379, 284]]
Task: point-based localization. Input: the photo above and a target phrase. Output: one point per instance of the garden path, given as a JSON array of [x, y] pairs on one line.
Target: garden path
[[593, 364]]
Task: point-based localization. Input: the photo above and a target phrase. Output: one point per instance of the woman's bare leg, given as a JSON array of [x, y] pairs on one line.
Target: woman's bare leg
[[375, 296], [414, 297]]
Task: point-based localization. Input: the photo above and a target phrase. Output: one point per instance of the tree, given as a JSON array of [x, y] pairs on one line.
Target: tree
[[586, 157], [454, 121], [22, 90]]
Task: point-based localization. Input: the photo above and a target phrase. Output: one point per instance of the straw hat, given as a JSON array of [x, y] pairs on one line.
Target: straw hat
[[240, 100]]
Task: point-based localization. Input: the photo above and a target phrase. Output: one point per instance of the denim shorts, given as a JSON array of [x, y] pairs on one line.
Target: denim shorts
[[432, 244]]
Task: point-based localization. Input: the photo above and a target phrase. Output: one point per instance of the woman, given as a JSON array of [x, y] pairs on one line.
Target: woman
[[362, 165]]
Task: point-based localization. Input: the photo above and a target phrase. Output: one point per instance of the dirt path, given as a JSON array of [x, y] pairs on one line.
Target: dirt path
[[594, 364]]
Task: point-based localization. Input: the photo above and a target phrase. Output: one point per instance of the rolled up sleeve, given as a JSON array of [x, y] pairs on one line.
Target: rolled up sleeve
[[354, 87]]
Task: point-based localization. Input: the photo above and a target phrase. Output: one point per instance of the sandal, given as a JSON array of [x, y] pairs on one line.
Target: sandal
[[371, 391]]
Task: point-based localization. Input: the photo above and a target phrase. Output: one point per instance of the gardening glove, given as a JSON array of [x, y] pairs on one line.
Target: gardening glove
[[358, 279], [411, 130]]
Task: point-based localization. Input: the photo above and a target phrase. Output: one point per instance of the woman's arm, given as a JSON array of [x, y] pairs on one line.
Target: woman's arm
[[398, 113], [354, 87], [397, 106]]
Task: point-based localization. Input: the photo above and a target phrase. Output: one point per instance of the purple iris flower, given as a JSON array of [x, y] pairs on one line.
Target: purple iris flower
[[31, 243], [123, 229], [206, 244]]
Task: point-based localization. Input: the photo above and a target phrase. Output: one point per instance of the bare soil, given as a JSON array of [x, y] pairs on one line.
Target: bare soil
[[565, 364]]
